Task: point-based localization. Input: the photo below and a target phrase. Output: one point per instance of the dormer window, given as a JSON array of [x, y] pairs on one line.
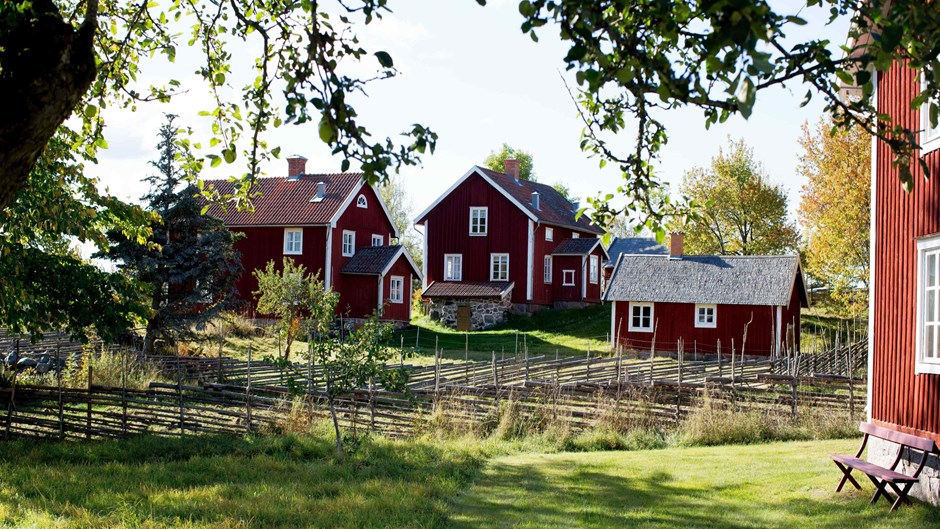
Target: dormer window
[[377, 240], [361, 202], [479, 221], [575, 235], [549, 234]]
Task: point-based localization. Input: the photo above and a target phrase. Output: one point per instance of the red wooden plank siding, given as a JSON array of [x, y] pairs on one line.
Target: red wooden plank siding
[[363, 221], [398, 311], [901, 399]]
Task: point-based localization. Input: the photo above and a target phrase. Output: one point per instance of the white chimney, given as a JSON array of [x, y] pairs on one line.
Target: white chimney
[[321, 192], [535, 200]]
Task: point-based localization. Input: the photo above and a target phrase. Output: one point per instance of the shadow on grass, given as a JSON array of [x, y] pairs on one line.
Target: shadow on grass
[[586, 495], [230, 482]]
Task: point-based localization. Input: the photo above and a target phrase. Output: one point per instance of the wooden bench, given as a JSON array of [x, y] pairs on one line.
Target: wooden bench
[[883, 477]]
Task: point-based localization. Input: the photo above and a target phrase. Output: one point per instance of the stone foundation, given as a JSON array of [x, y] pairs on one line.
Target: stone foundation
[[484, 313], [883, 452]]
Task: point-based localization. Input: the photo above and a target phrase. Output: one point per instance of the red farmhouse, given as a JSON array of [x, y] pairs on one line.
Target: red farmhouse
[[335, 225], [494, 242], [706, 299], [904, 320]]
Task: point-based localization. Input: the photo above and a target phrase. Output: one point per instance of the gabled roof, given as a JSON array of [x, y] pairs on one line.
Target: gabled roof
[[730, 280], [635, 246], [377, 260], [288, 201], [554, 209], [468, 289], [583, 246]]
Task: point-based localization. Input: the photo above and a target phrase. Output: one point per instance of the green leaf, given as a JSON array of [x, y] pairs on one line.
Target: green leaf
[[229, 154], [384, 59], [327, 134], [90, 111]]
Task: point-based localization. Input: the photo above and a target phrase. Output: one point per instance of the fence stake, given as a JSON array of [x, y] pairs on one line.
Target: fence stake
[[417, 339], [466, 352], [221, 346], [124, 393], [495, 378], [58, 381], [587, 366], [653, 349], [732, 363], [248, 392], [309, 363], [10, 405], [721, 372], [179, 390], [88, 401]]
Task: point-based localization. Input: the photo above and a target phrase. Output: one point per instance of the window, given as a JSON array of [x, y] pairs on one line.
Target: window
[[377, 240], [641, 317], [547, 272], [453, 267], [575, 235], [928, 306], [293, 241], [595, 262], [361, 202], [499, 267], [396, 289], [549, 234], [929, 136], [567, 278], [349, 243], [705, 317], [479, 221]]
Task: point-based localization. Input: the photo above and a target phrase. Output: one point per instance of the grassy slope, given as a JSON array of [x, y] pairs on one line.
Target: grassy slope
[[779, 486], [568, 331]]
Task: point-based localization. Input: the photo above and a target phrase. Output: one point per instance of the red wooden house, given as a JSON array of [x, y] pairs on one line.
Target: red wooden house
[[904, 320], [335, 225], [494, 242], [704, 300]]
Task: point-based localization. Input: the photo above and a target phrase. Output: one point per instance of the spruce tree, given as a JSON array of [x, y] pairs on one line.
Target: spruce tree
[[189, 263]]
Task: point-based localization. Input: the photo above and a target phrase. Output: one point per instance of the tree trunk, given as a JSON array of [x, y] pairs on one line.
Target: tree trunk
[[46, 67], [329, 400]]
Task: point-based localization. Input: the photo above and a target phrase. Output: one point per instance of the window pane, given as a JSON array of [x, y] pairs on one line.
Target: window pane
[[931, 306], [931, 269], [930, 343]]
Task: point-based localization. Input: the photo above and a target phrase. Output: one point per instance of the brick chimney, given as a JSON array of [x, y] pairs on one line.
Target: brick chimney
[[296, 166], [676, 245], [512, 168]]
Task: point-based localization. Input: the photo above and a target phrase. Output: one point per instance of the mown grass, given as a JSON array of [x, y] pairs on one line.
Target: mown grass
[[565, 331], [777, 485]]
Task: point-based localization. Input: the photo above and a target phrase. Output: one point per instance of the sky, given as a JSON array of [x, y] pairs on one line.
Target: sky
[[473, 77]]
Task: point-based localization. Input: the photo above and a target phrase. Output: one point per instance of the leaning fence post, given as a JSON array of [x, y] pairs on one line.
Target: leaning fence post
[[88, 401], [495, 377], [587, 365], [248, 392], [124, 393]]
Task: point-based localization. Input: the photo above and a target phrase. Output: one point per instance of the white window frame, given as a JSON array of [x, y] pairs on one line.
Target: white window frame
[[458, 259], [361, 202], [929, 138], [547, 270], [400, 291], [494, 259], [351, 250], [594, 273], [640, 328], [296, 241], [485, 218], [575, 235], [379, 238], [549, 233], [565, 274], [703, 323], [927, 247]]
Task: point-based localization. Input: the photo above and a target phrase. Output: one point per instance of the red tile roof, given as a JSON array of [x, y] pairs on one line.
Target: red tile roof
[[554, 208], [286, 202]]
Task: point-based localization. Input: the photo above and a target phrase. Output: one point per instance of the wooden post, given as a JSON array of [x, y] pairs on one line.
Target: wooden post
[[10, 405], [466, 357], [721, 373], [179, 391], [653, 350], [732, 363], [516, 350], [495, 377], [124, 393], [88, 402], [587, 365], [557, 367], [401, 351], [309, 363], [525, 351], [680, 352], [221, 346], [248, 393], [58, 381], [417, 339]]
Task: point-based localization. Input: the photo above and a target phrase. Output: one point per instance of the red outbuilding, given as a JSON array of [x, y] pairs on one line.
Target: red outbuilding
[[749, 303], [513, 239], [337, 226], [904, 311]]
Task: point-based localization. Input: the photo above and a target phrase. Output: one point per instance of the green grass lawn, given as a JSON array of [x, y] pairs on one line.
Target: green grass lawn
[[567, 331], [774, 486]]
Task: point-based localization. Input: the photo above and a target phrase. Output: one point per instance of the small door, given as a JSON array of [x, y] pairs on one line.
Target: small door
[[463, 317]]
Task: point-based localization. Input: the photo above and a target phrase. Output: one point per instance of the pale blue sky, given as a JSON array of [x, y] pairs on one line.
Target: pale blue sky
[[473, 77]]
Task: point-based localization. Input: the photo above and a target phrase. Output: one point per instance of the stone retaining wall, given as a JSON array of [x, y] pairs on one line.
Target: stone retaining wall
[[484, 313], [883, 452]]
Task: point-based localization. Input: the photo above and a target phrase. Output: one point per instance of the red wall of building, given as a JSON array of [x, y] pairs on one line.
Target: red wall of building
[[677, 320], [448, 231], [359, 296], [547, 293], [398, 311], [901, 399], [363, 221], [261, 245]]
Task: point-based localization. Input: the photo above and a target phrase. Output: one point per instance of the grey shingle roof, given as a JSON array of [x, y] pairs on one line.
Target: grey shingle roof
[[635, 246], [467, 289], [582, 246], [371, 260], [732, 280]]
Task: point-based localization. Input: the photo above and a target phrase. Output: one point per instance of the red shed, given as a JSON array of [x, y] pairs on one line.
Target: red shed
[[493, 227], [705, 300], [904, 320], [323, 221]]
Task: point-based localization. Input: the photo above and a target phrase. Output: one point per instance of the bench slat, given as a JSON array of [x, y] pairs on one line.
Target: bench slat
[[872, 469], [901, 438]]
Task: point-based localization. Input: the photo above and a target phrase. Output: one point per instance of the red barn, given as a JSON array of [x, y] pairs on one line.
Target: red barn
[[904, 341], [706, 299], [335, 225], [515, 240]]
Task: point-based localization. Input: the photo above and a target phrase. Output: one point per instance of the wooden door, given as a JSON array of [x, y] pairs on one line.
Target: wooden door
[[463, 317]]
